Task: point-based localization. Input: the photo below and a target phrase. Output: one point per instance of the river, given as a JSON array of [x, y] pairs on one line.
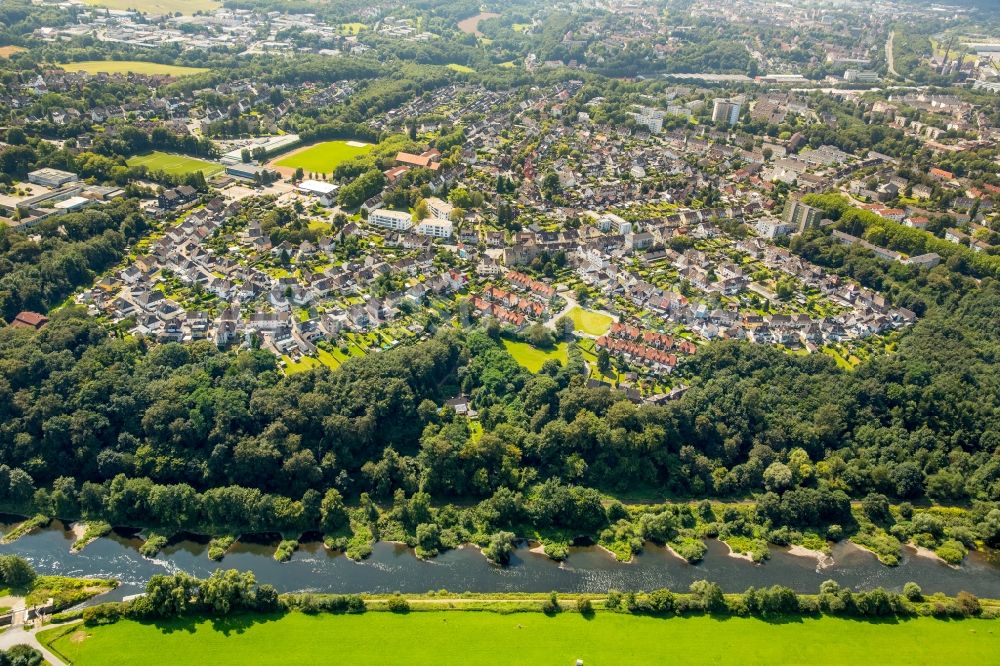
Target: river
[[394, 567]]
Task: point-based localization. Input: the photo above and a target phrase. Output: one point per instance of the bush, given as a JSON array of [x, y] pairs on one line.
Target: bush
[[968, 603], [551, 605], [103, 614], [152, 545], [660, 601], [15, 571], [913, 592], [397, 604], [691, 549], [613, 600], [585, 607]]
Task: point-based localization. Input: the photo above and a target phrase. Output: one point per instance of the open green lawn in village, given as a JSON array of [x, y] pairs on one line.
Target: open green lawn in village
[[463, 69], [323, 157], [186, 7], [175, 165], [471, 638], [127, 66], [591, 323], [534, 358]]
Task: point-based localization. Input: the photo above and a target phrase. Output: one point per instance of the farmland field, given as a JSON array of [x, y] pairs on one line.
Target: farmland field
[[470, 638], [186, 7], [322, 157], [462, 69], [130, 66], [175, 165], [534, 358], [591, 323], [8, 51]]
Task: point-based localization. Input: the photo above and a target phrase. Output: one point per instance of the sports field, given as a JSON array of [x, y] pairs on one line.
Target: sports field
[[534, 358], [322, 157], [591, 323], [187, 7], [130, 66], [472, 638], [175, 165]]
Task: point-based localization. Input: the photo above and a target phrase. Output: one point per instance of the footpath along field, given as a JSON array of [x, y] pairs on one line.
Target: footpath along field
[[473, 638]]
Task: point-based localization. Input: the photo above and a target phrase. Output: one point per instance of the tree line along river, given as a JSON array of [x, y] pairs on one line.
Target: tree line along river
[[394, 567]]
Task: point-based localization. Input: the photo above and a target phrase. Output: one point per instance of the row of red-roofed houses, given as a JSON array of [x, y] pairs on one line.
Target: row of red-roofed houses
[[528, 283], [513, 301], [651, 338], [653, 358], [498, 312]]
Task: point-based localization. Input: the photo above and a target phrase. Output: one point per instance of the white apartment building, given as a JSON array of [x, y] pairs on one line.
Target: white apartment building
[[390, 219], [435, 227]]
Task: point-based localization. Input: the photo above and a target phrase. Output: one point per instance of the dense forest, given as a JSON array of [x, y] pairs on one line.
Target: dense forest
[[189, 435]]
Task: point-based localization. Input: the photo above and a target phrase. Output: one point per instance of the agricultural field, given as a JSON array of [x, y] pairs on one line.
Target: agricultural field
[[591, 323], [534, 358], [186, 7], [462, 69], [471, 638], [175, 165], [130, 66], [322, 157], [8, 51]]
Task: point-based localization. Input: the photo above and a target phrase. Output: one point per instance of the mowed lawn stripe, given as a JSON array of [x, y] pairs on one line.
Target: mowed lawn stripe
[[481, 638]]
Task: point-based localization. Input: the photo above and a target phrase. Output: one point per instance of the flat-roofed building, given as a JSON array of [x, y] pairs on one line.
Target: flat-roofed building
[[390, 219]]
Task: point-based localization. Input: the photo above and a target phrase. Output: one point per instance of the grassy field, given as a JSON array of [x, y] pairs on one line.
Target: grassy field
[[323, 157], [591, 323], [159, 6], [470, 638], [8, 51], [534, 358], [175, 165], [460, 68], [351, 28], [127, 66]]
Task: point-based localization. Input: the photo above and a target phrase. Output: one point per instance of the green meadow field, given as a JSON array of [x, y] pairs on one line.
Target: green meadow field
[[176, 165], [129, 66], [323, 157], [534, 358], [483, 638]]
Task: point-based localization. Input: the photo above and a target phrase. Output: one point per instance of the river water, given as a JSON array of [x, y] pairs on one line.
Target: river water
[[394, 567]]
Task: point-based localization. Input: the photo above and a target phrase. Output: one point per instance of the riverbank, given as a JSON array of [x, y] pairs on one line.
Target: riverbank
[[523, 638]]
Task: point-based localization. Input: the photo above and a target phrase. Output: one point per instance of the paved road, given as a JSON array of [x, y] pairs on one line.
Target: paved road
[[889, 57], [25, 635]]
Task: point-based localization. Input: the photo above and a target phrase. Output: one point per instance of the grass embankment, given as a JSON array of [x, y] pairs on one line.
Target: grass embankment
[[130, 67], [435, 637], [19, 530], [175, 165], [63, 591]]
